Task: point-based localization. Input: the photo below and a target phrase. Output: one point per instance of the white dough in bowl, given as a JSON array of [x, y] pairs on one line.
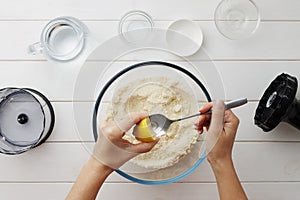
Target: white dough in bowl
[[165, 96]]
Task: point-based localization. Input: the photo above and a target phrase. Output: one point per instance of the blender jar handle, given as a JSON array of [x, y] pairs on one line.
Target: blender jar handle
[[35, 48]]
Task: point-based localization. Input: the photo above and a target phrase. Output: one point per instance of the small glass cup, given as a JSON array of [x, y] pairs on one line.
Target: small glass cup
[[62, 39], [237, 19], [135, 20]]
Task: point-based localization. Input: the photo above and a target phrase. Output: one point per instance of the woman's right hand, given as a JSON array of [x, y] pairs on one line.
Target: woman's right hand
[[222, 127]]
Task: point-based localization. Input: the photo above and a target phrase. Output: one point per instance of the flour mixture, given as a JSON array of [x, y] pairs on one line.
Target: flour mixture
[[165, 96]]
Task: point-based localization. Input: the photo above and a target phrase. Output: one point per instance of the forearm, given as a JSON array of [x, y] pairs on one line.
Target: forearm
[[228, 182], [89, 181]]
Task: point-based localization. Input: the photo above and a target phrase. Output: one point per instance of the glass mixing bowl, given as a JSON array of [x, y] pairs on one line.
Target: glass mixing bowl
[[189, 81]]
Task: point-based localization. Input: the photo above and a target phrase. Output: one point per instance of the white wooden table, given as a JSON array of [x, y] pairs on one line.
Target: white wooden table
[[268, 164]]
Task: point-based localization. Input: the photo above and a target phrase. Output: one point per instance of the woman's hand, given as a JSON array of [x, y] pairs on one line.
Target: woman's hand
[[222, 127]]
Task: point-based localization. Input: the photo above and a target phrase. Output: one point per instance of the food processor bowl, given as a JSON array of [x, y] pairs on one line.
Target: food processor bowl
[[26, 119]]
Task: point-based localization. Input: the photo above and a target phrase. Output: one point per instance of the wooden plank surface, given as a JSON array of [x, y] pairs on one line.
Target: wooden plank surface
[[273, 162], [191, 191], [114, 10], [268, 164]]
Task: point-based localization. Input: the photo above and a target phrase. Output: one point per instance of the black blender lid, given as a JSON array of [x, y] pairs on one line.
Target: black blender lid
[[275, 102]]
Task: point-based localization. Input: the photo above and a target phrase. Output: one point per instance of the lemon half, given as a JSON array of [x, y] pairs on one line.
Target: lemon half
[[143, 131]]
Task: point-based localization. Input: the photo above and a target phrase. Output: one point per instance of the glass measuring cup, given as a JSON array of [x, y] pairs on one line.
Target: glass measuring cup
[[62, 39]]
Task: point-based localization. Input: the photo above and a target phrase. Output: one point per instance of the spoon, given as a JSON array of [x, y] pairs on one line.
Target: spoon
[[160, 123]]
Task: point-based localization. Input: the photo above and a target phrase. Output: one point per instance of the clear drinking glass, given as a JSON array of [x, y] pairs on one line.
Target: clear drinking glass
[[237, 19], [62, 39]]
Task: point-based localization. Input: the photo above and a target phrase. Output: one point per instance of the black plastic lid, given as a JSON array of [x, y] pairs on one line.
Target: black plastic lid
[[275, 102]]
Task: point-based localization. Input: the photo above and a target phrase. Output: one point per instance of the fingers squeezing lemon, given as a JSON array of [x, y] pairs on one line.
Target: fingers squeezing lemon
[[143, 131]]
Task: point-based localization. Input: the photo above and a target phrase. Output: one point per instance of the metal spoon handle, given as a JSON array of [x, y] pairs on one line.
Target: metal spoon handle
[[228, 105], [195, 115], [231, 104]]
